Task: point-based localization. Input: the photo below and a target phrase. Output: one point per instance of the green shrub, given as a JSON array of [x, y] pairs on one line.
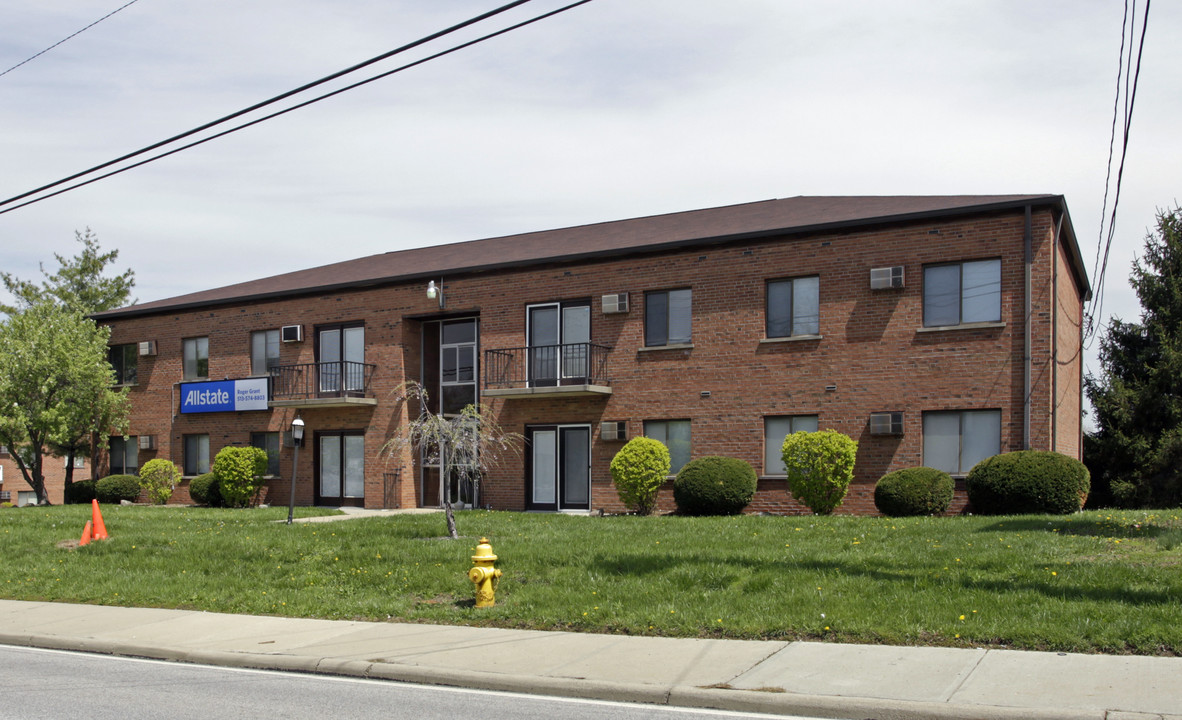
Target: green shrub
[[638, 470], [115, 488], [239, 472], [820, 466], [1028, 481], [80, 492], [203, 489], [914, 491], [714, 485], [158, 478]]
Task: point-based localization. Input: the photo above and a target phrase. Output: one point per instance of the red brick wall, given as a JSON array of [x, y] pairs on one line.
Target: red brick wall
[[871, 349]]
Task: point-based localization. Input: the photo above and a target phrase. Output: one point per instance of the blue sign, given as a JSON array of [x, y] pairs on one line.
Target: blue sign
[[224, 396]]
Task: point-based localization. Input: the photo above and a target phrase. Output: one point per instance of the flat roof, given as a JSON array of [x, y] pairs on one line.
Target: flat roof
[[787, 216]]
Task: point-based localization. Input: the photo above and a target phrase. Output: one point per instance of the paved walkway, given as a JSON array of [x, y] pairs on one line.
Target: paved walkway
[[804, 678]]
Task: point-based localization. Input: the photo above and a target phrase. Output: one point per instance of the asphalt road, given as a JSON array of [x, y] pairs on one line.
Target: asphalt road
[[67, 685]]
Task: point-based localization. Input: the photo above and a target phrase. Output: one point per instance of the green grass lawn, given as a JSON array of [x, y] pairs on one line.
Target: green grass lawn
[[1096, 581]]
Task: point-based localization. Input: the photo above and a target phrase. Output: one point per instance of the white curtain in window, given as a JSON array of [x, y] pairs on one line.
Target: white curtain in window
[[981, 289], [982, 437], [941, 441], [806, 306]]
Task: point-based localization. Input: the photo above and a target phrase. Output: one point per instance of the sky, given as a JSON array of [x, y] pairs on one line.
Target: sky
[[615, 109]]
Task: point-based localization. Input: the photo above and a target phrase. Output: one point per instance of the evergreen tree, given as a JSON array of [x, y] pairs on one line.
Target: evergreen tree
[[1135, 454], [79, 283]]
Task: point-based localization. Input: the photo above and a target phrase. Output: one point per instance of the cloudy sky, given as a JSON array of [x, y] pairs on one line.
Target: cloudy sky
[[616, 109]]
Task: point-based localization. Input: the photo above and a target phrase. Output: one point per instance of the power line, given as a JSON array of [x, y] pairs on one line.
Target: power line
[[1130, 96], [271, 101], [59, 42], [306, 103]]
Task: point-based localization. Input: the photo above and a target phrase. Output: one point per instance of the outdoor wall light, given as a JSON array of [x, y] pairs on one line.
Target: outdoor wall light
[[435, 291]]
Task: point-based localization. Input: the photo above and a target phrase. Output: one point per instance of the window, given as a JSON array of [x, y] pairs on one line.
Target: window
[[956, 441], [457, 366], [264, 351], [793, 307], [775, 429], [667, 318], [196, 358], [558, 335], [962, 293], [196, 454], [79, 461], [675, 434], [25, 497], [341, 356], [123, 359], [124, 455], [268, 442]]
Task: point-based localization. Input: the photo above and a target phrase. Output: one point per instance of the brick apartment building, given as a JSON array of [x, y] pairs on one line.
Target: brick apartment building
[[14, 489], [932, 330]]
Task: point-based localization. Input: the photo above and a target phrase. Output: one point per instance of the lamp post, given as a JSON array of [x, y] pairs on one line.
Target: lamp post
[[297, 439]]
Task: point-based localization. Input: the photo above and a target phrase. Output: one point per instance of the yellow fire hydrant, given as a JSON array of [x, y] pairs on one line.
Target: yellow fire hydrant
[[484, 575]]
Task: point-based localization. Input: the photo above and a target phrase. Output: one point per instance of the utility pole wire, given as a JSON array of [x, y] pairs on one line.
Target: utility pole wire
[[59, 42], [271, 101], [300, 105]]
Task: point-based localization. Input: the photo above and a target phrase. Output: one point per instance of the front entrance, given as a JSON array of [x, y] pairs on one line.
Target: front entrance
[[340, 469], [558, 471]]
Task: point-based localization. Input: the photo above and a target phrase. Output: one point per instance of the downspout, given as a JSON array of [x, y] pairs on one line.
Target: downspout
[[1026, 360], [1055, 337]]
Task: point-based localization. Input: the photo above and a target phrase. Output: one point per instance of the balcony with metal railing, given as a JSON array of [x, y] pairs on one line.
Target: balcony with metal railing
[[573, 369], [324, 384]]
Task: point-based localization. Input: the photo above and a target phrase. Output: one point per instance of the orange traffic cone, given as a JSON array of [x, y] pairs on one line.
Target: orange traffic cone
[[100, 529], [85, 535]]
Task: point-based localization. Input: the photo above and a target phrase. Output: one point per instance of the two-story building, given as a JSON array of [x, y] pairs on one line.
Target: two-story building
[[932, 330]]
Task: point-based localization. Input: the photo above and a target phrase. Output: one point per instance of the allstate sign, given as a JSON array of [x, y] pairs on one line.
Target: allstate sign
[[224, 396]]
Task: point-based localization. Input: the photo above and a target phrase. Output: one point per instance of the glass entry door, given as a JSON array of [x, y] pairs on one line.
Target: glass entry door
[[559, 468], [342, 358], [340, 469], [558, 335]]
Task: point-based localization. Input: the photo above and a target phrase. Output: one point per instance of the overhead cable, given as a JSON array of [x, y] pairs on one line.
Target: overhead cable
[[59, 42]]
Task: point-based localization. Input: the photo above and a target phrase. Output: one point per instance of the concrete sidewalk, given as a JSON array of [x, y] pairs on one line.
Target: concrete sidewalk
[[805, 678]]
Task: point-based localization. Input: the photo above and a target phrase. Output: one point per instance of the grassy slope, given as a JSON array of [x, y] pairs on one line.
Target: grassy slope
[[1096, 581]]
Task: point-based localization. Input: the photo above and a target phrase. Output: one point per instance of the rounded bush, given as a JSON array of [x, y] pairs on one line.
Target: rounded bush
[[115, 488], [158, 477], [714, 485], [913, 491], [203, 489], [820, 466], [239, 471], [80, 492], [639, 470], [1026, 482]]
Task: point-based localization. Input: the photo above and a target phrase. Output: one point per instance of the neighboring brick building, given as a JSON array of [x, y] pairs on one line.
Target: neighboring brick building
[[900, 321], [14, 488]]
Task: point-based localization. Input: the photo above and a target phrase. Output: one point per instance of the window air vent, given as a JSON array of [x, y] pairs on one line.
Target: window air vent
[[886, 423], [147, 442], [613, 430], [292, 333], [886, 278], [615, 303], [147, 347]]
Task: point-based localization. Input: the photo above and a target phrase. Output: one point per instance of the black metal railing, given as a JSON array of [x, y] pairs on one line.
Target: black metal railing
[[319, 380], [546, 366]]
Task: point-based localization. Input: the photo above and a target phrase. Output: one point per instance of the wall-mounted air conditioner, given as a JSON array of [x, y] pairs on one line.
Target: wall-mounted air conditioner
[[886, 278], [147, 442], [886, 423], [147, 347], [613, 430], [615, 303], [292, 333]]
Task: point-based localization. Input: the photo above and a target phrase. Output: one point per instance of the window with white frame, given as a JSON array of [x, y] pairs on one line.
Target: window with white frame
[[793, 307], [775, 429], [955, 441], [196, 454], [961, 293], [196, 358], [667, 317], [264, 351], [675, 435]]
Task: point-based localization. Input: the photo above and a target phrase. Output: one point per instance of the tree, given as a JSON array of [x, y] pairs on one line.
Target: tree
[[463, 447], [79, 283], [54, 379], [1135, 454]]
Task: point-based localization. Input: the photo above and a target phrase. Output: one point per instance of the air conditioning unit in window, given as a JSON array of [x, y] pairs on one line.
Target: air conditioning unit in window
[[613, 430], [147, 442], [886, 423], [886, 278], [615, 303], [147, 348], [292, 333]]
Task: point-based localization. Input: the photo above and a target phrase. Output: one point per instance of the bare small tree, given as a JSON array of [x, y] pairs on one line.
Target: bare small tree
[[465, 446]]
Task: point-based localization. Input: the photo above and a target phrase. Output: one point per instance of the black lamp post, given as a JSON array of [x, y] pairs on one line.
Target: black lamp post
[[297, 439]]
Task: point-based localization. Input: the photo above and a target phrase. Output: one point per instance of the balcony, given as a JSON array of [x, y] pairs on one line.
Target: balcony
[[325, 384], [547, 371]]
